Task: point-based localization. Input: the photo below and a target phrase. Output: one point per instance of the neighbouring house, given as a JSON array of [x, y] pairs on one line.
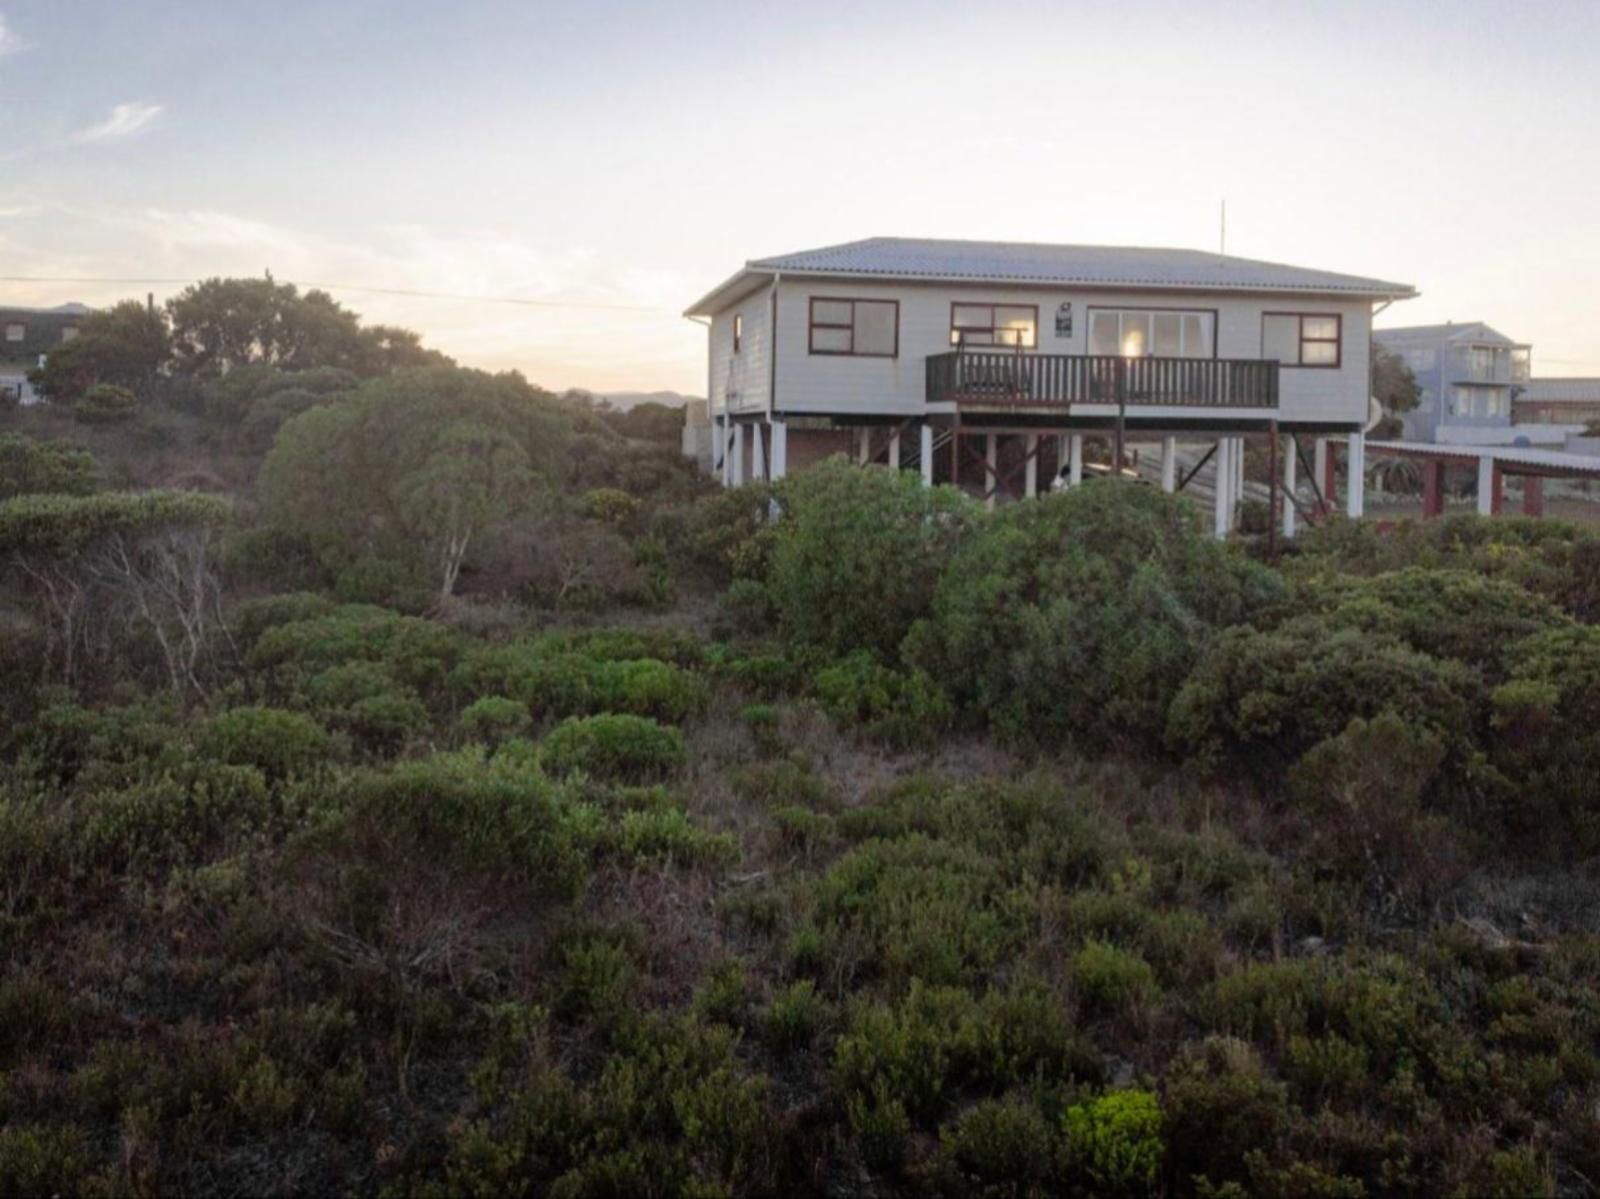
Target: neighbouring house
[[1470, 375], [26, 335], [987, 364], [1572, 401]]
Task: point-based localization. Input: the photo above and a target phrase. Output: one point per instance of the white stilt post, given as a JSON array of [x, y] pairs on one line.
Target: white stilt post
[[1486, 485], [863, 445], [1238, 473], [758, 452], [894, 450], [724, 451], [927, 455], [1075, 461], [738, 455], [991, 457], [1169, 464], [780, 449], [1356, 475], [1319, 470], [1031, 471], [1224, 476], [1290, 478]]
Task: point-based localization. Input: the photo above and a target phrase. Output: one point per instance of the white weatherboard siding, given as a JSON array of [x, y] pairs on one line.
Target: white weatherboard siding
[[842, 385], [747, 375]]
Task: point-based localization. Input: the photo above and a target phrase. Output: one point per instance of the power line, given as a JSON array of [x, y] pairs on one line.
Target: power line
[[354, 287]]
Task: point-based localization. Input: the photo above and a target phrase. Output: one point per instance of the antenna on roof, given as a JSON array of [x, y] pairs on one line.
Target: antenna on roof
[[1222, 244]]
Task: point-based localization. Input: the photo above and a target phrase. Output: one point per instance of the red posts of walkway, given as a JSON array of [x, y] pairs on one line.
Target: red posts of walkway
[[1532, 495], [1432, 489]]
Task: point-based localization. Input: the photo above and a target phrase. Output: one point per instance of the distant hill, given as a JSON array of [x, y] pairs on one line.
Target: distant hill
[[630, 399]]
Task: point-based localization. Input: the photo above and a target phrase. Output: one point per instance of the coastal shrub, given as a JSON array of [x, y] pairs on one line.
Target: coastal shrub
[[1002, 1147], [29, 466], [105, 404], [614, 746], [1263, 698], [857, 555], [1111, 980], [279, 743], [1220, 1103], [1547, 737], [495, 718], [417, 652], [1079, 616], [1114, 1144], [555, 680], [902, 708]]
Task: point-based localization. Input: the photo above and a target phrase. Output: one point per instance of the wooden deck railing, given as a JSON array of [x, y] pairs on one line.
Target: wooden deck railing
[[1055, 380]]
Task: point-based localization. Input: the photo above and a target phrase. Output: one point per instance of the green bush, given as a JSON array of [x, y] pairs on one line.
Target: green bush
[[31, 467], [494, 719], [419, 653], [105, 404], [628, 748], [1079, 616], [1263, 698], [1220, 1105], [1111, 980], [665, 834], [1547, 738], [254, 617], [794, 1016], [279, 743], [903, 709], [857, 554], [1114, 1144], [554, 679], [1002, 1147]]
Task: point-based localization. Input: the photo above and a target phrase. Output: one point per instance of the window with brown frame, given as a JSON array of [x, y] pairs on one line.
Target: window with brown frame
[[994, 325], [738, 331], [1302, 338], [861, 328]]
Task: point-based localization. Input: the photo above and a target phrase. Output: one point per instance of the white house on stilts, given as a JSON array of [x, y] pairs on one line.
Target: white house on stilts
[[993, 365]]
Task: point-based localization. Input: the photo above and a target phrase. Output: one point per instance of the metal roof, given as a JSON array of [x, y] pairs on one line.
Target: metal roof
[[1468, 331], [1558, 391], [1557, 460], [1038, 263]]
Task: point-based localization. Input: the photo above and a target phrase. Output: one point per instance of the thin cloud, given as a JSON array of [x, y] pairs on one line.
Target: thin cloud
[[10, 43], [125, 120]]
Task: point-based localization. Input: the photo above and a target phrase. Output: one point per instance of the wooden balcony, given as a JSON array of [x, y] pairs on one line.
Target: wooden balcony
[[1008, 379]]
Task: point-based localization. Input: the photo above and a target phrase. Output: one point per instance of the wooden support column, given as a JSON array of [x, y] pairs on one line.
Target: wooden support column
[[1532, 495], [1030, 480], [758, 453], [724, 454], [991, 479], [1432, 488], [738, 455], [1291, 482], [863, 446], [1075, 461], [1169, 464], [894, 450], [926, 460], [1327, 473], [780, 450], [1355, 476]]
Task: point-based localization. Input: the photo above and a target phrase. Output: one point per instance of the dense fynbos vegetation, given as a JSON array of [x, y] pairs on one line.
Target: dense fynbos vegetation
[[837, 838]]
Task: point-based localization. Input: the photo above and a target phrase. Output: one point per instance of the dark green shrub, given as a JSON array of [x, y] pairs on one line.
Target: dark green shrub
[[106, 404], [1002, 1148], [278, 743], [630, 748], [1220, 1105], [43, 1159], [419, 653], [1111, 980], [902, 708], [1264, 698], [794, 1016], [31, 467], [857, 554], [254, 617], [555, 680], [1455, 614], [1079, 616], [494, 719], [729, 532], [666, 835], [1547, 737], [906, 1055]]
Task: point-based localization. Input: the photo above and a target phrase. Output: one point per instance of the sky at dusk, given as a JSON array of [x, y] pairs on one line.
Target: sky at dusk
[[619, 159]]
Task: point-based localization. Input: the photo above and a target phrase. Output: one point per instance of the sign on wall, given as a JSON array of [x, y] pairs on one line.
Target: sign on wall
[[1064, 319]]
